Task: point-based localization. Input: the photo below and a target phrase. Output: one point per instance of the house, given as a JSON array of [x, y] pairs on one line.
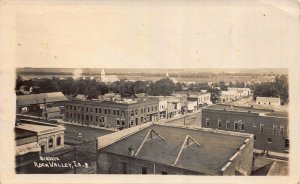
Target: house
[[159, 148], [270, 128], [268, 101]]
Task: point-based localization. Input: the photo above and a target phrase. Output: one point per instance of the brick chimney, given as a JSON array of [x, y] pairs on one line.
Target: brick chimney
[[131, 151]]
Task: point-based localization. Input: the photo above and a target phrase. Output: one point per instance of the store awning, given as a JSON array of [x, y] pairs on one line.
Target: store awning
[[26, 148]]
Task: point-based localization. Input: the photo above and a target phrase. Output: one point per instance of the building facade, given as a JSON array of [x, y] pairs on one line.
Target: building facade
[[202, 98], [49, 137], [243, 92], [115, 114], [270, 129], [268, 101]]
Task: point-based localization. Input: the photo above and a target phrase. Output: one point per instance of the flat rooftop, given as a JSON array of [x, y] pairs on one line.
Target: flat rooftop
[[37, 126], [123, 101], [264, 112], [212, 154]]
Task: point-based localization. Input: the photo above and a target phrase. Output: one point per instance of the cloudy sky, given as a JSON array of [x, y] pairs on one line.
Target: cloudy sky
[[169, 34]]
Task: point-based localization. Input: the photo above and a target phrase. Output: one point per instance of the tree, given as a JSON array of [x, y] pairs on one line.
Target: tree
[[162, 87]]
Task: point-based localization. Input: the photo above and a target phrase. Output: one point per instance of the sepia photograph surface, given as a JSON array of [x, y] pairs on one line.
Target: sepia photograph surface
[[150, 92]]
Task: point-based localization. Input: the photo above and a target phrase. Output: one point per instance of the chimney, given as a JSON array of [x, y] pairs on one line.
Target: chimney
[[131, 151]]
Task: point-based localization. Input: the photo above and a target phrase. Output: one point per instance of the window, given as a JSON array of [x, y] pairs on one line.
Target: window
[[281, 130], [236, 126], [254, 125], [219, 123], [136, 121], [86, 109], [82, 109], [123, 122], [105, 111], [96, 118], [124, 166], [100, 110], [144, 170], [50, 143], [114, 111], [86, 117], [228, 124], [156, 108], [78, 116], [96, 110], [118, 112], [148, 109], [145, 110], [141, 111], [136, 112], [131, 122], [91, 118], [67, 115], [207, 122], [58, 141], [254, 138], [118, 121], [262, 128], [142, 119], [132, 113], [108, 111], [269, 140], [152, 108], [67, 106], [91, 109], [274, 130], [242, 126], [164, 173]]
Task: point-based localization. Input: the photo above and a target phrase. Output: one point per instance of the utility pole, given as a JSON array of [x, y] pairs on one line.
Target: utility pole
[[75, 158]]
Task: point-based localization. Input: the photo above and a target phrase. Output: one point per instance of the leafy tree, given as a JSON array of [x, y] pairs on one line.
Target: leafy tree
[[164, 87]]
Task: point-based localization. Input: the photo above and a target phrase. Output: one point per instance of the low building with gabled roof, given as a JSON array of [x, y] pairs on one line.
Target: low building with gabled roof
[[157, 148]]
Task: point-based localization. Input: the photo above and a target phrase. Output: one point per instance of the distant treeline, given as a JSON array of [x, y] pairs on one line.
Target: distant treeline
[[163, 87]]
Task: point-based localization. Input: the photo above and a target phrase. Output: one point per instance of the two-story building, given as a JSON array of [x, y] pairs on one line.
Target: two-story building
[[201, 98], [120, 114], [270, 128]]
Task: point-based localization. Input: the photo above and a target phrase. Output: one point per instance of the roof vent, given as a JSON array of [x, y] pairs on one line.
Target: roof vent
[[131, 151]]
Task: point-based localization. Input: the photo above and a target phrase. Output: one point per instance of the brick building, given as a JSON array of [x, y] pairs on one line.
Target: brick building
[[117, 114], [270, 128], [49, 137], [157, 148]]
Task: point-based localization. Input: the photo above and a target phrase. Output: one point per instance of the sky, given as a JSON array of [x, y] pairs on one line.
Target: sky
[[153, 34]]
